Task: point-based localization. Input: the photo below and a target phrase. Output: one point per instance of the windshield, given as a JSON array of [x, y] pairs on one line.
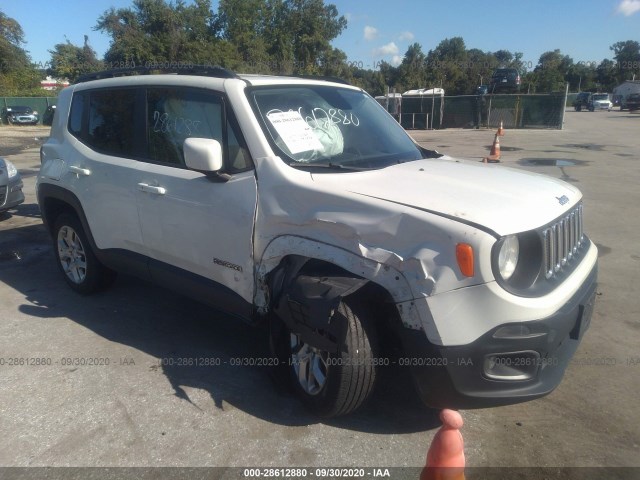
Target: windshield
[[323, 126]]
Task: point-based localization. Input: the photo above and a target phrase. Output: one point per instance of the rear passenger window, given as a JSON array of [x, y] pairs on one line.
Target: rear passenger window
[[111, 121]]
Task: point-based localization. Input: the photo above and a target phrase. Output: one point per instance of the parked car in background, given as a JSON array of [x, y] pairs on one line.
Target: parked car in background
[[601, 101], [617, 101], [583, 100], [482, 90], [47, 117], [505, 80], [18, 114], [633, 102], [10, 186]]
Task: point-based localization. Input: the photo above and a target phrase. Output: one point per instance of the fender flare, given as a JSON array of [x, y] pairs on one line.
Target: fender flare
[[48, 191]]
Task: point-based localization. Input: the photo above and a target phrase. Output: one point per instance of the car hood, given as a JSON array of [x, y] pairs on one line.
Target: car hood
[[496, 198]]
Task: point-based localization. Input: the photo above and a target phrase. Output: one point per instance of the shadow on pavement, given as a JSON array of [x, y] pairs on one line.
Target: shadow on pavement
[[168, 326]]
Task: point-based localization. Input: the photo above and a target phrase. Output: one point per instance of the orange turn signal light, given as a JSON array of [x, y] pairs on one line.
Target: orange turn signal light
[[464, 255]]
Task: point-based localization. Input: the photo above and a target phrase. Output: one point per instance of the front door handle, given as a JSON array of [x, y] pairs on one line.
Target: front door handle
[[80, 171], [152, 189]]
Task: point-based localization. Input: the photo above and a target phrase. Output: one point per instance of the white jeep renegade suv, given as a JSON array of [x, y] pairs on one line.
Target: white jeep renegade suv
[[303, 202]]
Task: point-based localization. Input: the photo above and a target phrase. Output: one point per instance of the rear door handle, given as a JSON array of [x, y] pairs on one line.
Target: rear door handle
[[152, 189], [80, 171]]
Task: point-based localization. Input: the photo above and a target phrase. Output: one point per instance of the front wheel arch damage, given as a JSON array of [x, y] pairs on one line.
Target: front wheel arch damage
[[325, 318]]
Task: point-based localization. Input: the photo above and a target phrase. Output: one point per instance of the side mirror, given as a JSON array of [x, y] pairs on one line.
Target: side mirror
[[203, 154]]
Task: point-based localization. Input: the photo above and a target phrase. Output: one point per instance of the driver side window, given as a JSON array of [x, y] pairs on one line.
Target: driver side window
[[175, 114]]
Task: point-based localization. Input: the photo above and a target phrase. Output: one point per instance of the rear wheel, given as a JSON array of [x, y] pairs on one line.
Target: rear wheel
[[82, 270], [329, 383]]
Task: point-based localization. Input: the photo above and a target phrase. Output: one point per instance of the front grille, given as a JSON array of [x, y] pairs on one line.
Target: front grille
[[3, 195], [562, 241]]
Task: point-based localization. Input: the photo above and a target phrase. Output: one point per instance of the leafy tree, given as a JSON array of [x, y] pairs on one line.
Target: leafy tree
[[70, 61], [607, 75], [157, 32], [268, 36], [333, 63], [480, 66], [373, 81], [17, 75], [627, 56], [277, 37], [581, 77], [412, 72], [242, 23], [549, 74], [390, 76], [447, 64], [307, 28], [504, 58]]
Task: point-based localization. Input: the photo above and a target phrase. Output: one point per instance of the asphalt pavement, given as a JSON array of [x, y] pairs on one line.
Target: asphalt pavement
[[99, 381]]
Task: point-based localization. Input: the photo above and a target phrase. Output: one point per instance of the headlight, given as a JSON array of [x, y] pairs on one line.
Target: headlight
[[508, 256], [35, 112], [12, 171]]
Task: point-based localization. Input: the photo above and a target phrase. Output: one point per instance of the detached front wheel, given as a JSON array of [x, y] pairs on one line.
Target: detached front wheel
[[331, 383]]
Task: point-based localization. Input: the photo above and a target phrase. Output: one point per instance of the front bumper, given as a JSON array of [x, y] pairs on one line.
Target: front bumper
[[498, 369], [11, 194], [24, 119]]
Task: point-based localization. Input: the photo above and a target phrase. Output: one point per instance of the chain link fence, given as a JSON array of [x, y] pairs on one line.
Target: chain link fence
[[483, 111], [421, 112]]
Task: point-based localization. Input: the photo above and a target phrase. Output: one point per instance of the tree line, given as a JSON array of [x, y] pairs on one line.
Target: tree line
[[290, 37]]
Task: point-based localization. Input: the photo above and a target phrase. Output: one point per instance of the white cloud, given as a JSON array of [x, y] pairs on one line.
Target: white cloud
[[396, 60], [370, 33], [406, 36], [389, 49], [628, 7]]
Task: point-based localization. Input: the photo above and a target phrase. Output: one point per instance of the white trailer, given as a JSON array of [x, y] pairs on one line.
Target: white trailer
[[622, 91]]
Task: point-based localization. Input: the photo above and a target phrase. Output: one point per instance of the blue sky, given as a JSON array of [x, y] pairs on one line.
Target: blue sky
[[382, 30]]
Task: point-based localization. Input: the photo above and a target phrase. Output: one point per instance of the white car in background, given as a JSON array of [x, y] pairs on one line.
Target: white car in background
[[601, 101]]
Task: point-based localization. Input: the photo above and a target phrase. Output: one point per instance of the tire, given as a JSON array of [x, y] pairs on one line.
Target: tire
[[81, 269], [327, 383], [578, 108]]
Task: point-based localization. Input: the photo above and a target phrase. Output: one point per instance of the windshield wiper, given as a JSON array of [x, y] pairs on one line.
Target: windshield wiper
[[329, 166]]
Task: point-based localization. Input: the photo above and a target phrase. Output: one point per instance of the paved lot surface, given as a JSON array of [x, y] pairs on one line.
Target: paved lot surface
[[135, 411]]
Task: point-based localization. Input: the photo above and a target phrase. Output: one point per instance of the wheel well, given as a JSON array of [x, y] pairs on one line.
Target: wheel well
[[380, 303], [53, 208]]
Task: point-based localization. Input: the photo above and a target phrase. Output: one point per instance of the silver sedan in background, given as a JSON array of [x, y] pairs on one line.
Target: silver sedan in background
[[10, 186]]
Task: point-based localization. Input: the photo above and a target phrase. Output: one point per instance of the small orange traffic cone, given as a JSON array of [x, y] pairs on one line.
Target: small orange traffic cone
[[494, 154], [501, 130], [445, 458]]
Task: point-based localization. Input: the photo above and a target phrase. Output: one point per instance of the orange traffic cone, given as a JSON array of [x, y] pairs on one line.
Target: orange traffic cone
[[445, 458], [494, 154], [501, 130]]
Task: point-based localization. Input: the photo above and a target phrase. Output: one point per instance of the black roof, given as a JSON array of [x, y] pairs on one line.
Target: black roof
[[203, 70]]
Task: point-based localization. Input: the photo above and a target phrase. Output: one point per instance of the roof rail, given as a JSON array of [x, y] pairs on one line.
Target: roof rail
[[326, 78], [202, 70]]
